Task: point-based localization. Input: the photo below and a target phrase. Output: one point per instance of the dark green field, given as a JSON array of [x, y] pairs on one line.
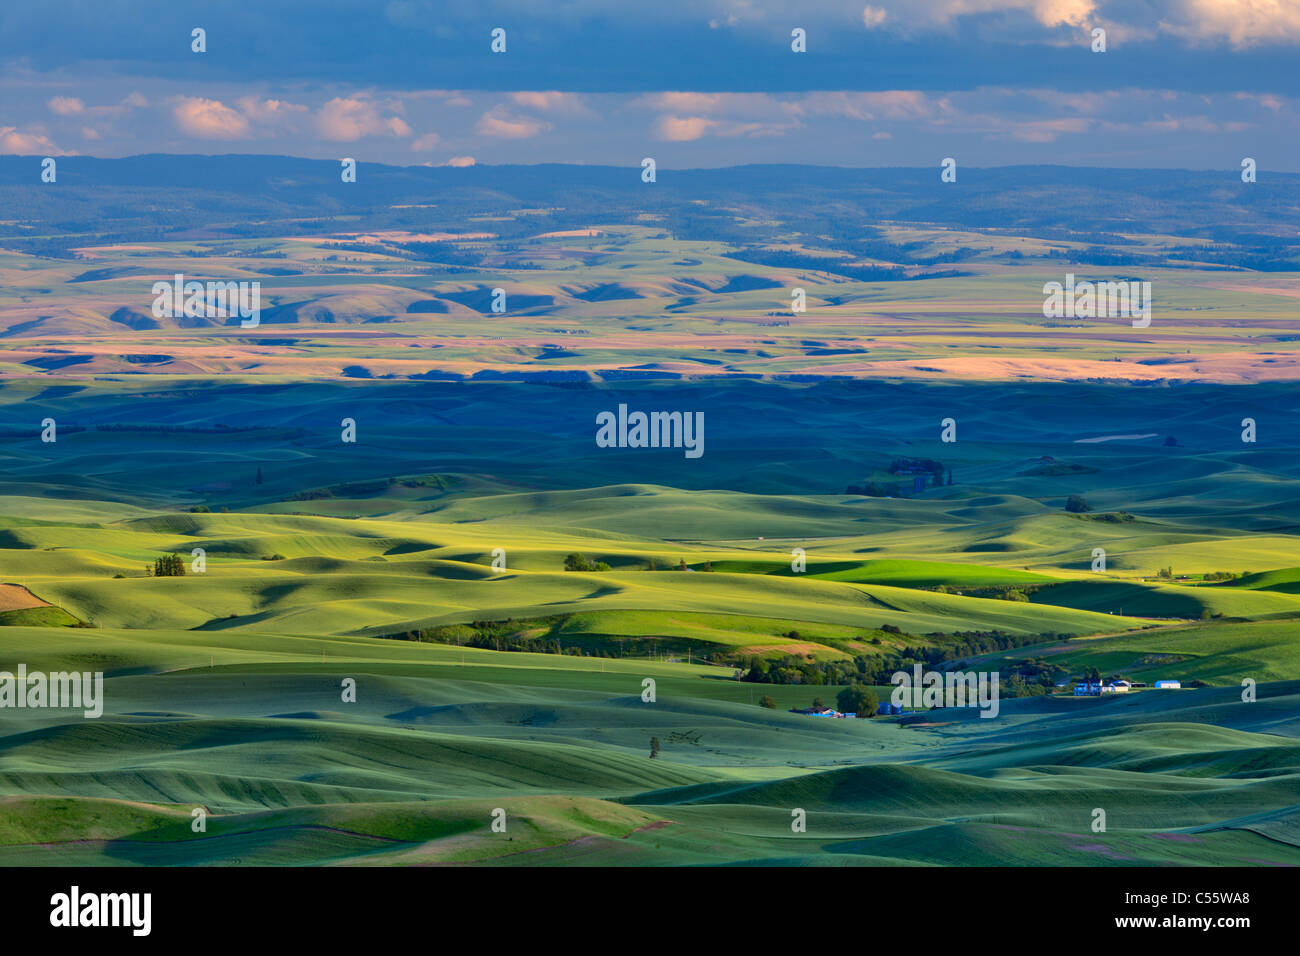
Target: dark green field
[[373, 561]]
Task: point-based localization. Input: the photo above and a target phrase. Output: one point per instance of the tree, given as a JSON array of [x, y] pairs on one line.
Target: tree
[[169, 566], [857, 699], [767, 701], [681, 566], [654, 747], [580, 562], [1077, 504]]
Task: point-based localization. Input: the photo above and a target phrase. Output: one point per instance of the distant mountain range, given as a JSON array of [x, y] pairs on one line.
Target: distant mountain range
[[152, 196]]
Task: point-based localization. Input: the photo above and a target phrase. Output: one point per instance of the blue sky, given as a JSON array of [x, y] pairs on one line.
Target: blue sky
[[1183, 83]]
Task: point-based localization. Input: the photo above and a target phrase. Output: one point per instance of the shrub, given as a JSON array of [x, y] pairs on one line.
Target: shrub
[[580, 562]]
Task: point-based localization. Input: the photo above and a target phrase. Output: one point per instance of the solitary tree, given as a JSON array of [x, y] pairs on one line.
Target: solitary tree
[[654, 747], [1077, 504]]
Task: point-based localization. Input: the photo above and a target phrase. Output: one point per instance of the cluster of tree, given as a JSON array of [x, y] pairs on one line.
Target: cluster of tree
[[1224, 575], [580, 562], [168, 566], [857, 699], [542, 636], [1112, 517], [507, 635], [1077, 504], [873, 490], [1004, 592], [1030, 677], [900, 465], [876, 669]]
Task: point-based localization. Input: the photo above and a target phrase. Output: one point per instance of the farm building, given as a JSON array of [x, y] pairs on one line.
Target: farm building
[[1168, 684], [818, 711], [1092, 688]]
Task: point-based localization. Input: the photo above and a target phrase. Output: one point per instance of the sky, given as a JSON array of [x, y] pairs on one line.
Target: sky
[[692, 83]]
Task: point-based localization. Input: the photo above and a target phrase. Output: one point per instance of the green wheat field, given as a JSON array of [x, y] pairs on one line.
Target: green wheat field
[[380, 647]]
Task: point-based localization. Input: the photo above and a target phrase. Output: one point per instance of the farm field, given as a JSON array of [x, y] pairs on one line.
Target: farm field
[[363, 577], [518, 688]]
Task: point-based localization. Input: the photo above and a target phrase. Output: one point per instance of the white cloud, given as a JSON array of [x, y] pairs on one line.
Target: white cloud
[[1242, 23], [873, 17], [347, 120], [497, 122], [66, 105], [550, 101], [209, 119], [268, 111], [15, 143], [683, 129]]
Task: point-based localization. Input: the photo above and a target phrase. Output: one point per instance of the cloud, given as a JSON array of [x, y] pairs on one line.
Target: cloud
[[209, 119], [1047, 131], [450, 97], [683, 129], [919, 15], [347, 120], [426, 142], [66, 105], [497, 122], [135, 99], [550, 101], [873, 17], [888, 104], [15, 143], [681, 101], [460, 161], [268, 111], [1242, 23]]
